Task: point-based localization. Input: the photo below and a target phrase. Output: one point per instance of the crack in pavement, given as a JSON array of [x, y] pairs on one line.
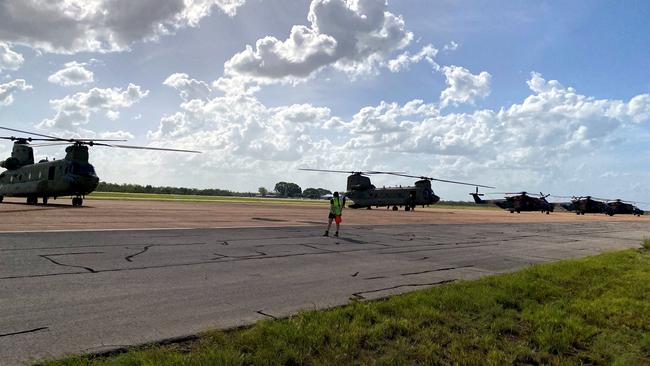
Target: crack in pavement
[[99, 246], [435, 270], [130, 257], [359, 296], [267, 315], [23, 332], [47, 256]]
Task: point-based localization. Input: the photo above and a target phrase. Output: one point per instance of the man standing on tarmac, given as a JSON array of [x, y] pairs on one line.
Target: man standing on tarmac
[[336, 209]]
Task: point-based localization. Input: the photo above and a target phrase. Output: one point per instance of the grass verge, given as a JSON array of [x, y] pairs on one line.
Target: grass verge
[[593, 311]]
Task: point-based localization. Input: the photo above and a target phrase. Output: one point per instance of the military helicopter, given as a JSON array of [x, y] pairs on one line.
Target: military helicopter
[[620, 207], [364, 194], [517, 202], [587, 204], [71, 176]]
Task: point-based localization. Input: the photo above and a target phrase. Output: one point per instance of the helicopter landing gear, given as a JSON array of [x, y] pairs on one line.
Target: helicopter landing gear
[[77, 201], [395, 208], [368, 208], [45, 200], [32, 200], [407, 208], [1, 198]]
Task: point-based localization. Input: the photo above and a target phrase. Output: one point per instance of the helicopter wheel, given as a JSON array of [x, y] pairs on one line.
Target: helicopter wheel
[[395, 208], [368, 208], [77, 201], [548, 212], [45, 200], [407, 208], [512, 211], [32, 200], [1, 198]]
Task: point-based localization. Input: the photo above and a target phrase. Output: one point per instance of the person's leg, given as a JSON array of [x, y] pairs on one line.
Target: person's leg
[[329, 225], [337, 229]]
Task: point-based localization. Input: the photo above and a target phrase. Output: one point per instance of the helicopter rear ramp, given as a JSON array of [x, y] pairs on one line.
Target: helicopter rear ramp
[[99, 290]]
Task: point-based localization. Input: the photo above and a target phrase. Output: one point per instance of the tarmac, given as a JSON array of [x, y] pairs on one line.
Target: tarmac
[[105, 285]]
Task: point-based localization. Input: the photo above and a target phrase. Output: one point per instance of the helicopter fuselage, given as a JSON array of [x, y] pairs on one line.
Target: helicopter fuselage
[[49, 179], [366, 195]]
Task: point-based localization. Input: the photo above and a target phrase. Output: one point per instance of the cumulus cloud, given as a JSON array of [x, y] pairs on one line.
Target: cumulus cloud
[[188, 88], [99, 25], [463, 86], [350, 35], [7, 90], [404, 60], [75, 110], [9, 59], [74, 73], [241, 126], [532, 138]]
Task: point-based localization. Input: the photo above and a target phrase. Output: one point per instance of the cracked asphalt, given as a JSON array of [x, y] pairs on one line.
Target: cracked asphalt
[[91, 291]]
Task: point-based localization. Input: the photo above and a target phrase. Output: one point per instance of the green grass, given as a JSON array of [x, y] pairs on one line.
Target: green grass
[[234, 199], [592, 311], [645, 244], [196, 198]]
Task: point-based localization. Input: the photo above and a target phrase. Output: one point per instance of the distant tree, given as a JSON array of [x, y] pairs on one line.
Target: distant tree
[[263, 191], [287, 189], [311, 193], [323, 191]]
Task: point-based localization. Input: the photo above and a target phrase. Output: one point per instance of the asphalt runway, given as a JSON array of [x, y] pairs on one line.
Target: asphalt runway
[[89, 291]]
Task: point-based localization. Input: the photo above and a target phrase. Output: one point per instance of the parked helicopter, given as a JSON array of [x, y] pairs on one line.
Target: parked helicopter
[[517, 202], [364, 194], [71, 176], [587, 204], [620, 207]]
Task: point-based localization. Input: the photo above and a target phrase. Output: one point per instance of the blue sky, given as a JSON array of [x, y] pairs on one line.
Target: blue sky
[[539, 96]]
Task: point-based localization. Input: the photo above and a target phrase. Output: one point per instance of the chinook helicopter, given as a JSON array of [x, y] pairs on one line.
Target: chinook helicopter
[[363, 193], [72, 176], [517, 202]]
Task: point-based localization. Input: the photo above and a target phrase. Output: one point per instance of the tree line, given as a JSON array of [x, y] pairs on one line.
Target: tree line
[[281, 189]]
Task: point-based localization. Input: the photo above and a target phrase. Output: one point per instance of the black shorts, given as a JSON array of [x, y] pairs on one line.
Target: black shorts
[[331, 216]]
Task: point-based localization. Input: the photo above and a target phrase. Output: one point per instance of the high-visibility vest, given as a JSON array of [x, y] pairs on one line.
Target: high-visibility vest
[[336, 207]]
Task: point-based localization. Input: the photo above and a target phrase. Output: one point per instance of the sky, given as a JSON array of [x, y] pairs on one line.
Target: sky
[[542, 96]]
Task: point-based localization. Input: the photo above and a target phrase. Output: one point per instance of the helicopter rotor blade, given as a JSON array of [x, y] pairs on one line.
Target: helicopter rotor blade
[[145, 148], [60, 143], [34, 133], [347, 171], [440, 180]]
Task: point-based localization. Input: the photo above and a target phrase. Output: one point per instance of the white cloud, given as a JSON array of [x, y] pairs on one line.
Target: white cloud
[[75, 110], [525, 142], [463, 86], [404, 60], [74, 73], [350, 35], [451, 46], [99, 25], [188, 88], [7, 90], [243, 127], [9, 59]]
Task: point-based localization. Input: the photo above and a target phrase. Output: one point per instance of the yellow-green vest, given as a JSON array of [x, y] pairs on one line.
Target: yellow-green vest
[[336, 207]]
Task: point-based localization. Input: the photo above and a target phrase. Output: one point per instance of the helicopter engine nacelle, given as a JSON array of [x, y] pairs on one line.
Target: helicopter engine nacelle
[[357, 182], [10, 163]]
